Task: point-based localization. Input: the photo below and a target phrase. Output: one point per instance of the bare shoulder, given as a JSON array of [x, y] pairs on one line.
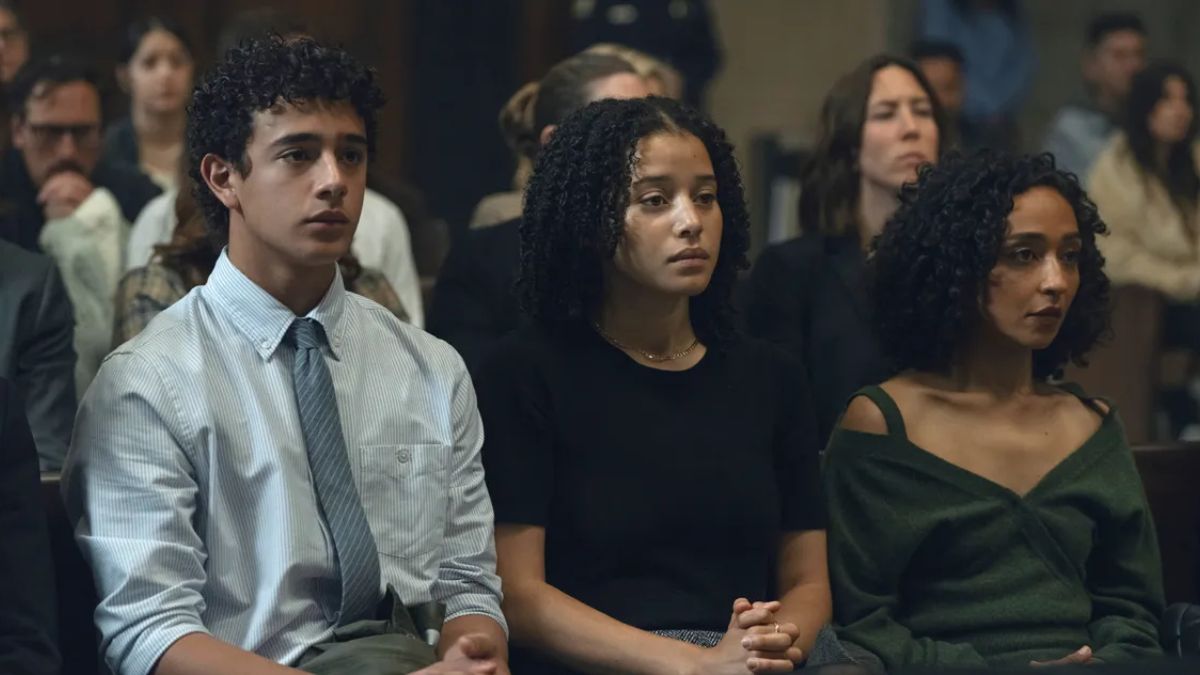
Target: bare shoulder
[[1074, 402], [863, 415]]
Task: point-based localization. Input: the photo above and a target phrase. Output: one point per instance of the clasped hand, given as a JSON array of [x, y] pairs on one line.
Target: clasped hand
[[754, 642]]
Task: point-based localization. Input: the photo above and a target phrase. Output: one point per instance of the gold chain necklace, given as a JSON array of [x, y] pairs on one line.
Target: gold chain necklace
[[649, 356]]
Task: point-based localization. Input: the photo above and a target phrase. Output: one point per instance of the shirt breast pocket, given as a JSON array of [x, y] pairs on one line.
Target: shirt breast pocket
[[406, 490]]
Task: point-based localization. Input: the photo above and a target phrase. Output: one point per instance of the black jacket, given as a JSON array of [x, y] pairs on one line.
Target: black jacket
[[807, 296], [475, 302], [27, 604], [37, 353], [22, 219]]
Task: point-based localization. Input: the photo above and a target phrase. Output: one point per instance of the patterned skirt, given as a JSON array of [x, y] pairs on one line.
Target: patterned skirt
[[703, 638]]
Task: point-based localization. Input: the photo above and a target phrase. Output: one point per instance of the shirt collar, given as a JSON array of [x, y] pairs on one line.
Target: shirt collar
[[261, 318]]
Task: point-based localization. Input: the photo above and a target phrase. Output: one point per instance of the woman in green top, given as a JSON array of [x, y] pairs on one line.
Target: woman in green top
[[980, 515]]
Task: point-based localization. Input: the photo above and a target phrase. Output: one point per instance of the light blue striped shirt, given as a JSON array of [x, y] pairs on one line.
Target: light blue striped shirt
[[190, 484]]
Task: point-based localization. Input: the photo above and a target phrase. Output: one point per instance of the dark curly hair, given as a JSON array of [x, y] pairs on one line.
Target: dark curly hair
[[575, 205], [256, 75], [929, 268]]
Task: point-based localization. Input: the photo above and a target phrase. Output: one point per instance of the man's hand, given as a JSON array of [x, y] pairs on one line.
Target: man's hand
[[63, 193], [471, 654], [1081, 655]]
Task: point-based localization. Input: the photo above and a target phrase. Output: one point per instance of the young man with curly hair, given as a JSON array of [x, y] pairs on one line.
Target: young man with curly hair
[[277, 474]]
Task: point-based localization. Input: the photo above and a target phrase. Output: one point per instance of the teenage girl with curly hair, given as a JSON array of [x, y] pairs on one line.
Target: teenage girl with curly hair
[[648, 466]]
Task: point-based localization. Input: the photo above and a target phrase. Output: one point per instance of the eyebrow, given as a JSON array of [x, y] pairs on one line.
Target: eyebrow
[[1038, 236], [706, 178], [898, 100], [308, 137]]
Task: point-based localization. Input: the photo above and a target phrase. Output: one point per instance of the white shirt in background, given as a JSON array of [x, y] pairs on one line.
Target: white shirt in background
[[382, 242]]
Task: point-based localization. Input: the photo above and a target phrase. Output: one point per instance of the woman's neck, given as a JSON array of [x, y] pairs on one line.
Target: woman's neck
[[656, 323], [875, 205], [994, 365], [158, 129]]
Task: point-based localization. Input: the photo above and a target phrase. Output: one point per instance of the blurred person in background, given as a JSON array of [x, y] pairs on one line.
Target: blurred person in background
[[879, 124], [1115, 52], [516, 125], [679, 33], [1146, 183], [661, 78], [474, 302], [999, 59], [942, 65], [156, 69], [65, 200]]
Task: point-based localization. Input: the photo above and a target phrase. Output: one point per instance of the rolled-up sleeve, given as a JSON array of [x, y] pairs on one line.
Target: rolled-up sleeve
[[467, 581], [131, 492]]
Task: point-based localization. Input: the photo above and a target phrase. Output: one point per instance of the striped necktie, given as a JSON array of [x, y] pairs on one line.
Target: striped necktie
[[354, 547]]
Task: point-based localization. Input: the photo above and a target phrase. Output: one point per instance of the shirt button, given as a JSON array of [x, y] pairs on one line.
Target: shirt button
[[403, 456]]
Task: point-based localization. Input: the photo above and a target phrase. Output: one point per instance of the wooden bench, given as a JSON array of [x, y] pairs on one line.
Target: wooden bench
[[1171, 475]]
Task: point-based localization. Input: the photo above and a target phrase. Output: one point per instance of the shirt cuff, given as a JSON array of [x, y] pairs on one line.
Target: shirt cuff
[[478, 604], [143, 653]]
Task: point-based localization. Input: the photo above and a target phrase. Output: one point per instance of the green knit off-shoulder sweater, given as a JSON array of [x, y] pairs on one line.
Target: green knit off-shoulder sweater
[[934, 565]]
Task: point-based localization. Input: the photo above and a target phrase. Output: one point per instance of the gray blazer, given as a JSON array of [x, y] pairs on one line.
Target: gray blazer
[[37, 328]]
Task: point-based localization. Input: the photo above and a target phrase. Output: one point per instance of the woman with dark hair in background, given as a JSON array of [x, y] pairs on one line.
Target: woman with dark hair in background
[[648, 465], [979, 515], [1147, 187], [878, 124], [156, 71]]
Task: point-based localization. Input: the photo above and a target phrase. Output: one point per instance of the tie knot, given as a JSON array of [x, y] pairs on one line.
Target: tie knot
[[305, 334]]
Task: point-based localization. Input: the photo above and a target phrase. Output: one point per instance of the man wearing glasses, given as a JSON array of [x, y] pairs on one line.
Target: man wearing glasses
[[56, 196]]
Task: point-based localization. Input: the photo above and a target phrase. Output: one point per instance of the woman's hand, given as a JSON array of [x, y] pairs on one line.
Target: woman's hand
[[753, 643], [771, 641]]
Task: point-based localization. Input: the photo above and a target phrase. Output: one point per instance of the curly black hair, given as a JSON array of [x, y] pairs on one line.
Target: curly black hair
[[929, 267], [575, 204], [256, 75]]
